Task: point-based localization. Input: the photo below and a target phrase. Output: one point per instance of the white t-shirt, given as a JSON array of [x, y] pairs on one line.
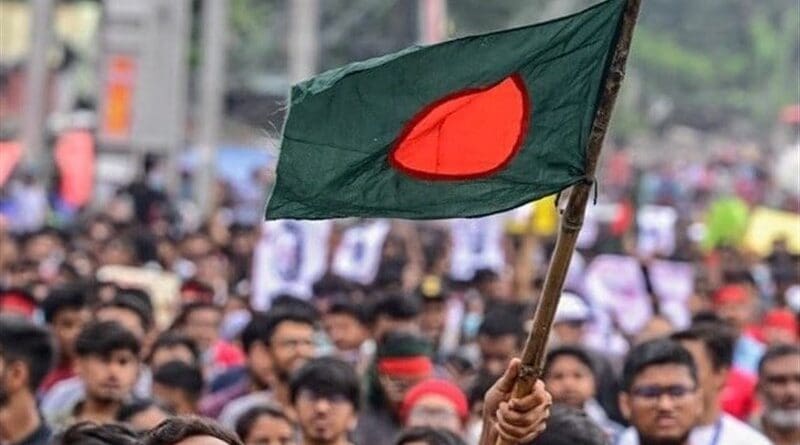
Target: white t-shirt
[[732, 432]]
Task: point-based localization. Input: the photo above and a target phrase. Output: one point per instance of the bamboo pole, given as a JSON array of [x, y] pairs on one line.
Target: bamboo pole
[[572, 218]]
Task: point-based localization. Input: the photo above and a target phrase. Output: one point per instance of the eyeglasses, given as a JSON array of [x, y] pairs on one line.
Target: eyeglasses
[[653, 393]]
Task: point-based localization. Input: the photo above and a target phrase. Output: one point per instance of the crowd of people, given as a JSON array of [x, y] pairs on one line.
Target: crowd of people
[[137, 323]]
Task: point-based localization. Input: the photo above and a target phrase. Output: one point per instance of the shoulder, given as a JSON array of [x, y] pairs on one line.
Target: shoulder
[[743, 432]]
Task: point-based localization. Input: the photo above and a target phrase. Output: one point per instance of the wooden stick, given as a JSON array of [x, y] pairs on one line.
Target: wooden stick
[[572, 219]]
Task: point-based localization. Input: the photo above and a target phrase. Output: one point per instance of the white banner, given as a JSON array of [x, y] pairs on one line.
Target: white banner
[[656, 230], [477, 244], [289, 258], [358, 255]]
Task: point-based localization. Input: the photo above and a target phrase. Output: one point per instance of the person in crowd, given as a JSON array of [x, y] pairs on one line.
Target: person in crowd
[[173, 346], [26, 355], [500, 338], [427, 435], [190, 431], [277, 344], [201, 321], [570, 426], [570, 379], [660, 394], [326, 396], [401, 361], [266, 425], [779, 391], [108, 366], [66, 312], [143, 414], [393, 313], [132, 309], [433, 315], [711, 346], [88, 433], [347, 327], [435, 403], [178, 386]]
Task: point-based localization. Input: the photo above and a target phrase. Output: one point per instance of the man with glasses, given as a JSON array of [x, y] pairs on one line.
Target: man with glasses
[[277, 344], [325, 394], [660, 396]]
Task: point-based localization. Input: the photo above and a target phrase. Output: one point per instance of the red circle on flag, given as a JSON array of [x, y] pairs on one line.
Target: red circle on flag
[[468, 134]]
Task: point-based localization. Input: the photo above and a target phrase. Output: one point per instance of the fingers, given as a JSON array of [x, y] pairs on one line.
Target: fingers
[[538, 397], [520, 429], [506, 383]]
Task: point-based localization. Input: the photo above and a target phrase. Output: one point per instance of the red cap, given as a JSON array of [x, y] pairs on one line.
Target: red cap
[[437, 387], [17, 301], [782, 319], [731, 294]]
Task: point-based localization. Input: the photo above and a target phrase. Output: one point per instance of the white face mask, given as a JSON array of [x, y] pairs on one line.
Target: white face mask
[[784, 419]]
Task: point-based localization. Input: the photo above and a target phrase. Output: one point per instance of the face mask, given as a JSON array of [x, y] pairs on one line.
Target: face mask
[[472, 322]]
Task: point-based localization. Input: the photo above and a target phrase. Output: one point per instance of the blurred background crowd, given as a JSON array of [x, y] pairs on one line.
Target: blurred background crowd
[[166, 294]]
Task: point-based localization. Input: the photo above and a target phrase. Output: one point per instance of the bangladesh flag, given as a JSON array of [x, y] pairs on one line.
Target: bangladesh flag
[[468, 127]]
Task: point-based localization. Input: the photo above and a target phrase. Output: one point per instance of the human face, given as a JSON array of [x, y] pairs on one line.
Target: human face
[[345, 331], [67, 324], [173, 398], [663, 404], [324, 419], [268, 430], [395, 387], [202, 326], [710, 381], [570, 381], [437, 412], [496, 353], [291, 346], [779, 388], [569, 332], [433, 319], [259, 364], [109, 379]]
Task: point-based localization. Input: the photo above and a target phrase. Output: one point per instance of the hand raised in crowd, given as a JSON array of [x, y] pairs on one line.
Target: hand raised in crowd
[[518, 420]]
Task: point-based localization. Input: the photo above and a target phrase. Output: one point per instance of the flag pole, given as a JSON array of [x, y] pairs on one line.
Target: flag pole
[[572, 218]]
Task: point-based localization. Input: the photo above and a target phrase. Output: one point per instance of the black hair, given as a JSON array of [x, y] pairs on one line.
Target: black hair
[[395, 306], [327, 376], [102, 338], [180, 375], [502, 321], [575, 352], [661, 351], [291, 303], [71, 297], [176, 429], [262, 326], [129, 300], [246, 421], [131, 409], [428, 436], [775, 352], [718, 340], [188, 308], [88, 433], [21, 340], [570, 426], [171, 339], [350, 309]]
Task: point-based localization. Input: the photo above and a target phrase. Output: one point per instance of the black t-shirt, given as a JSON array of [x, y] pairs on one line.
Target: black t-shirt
[[39, 437]]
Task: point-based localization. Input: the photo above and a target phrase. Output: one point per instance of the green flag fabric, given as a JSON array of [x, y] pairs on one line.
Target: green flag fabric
[[464, 128]]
